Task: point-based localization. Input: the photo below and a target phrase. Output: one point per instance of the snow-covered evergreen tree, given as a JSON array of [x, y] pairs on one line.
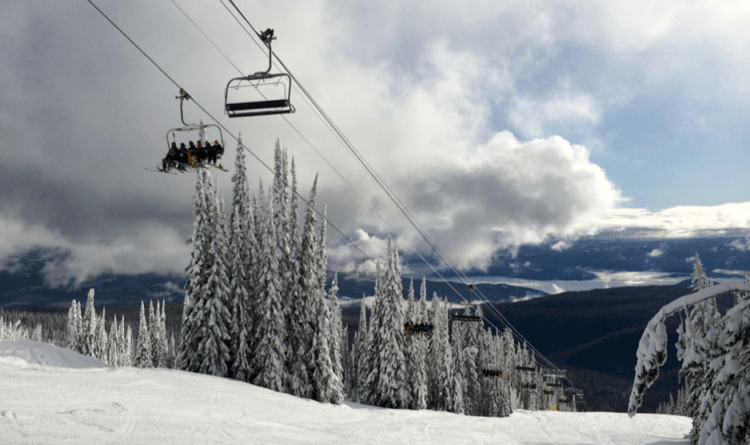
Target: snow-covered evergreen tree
[[369, 389], [193, 314], [213, 347], [270, 351], [241, 325], [102, 342], [392, 387], [338, 353], [440, 359], [73, 327], [416, 350], [360, 356], [153, 332], [282, 237], [143, 357], [88, 343], [304, 311]]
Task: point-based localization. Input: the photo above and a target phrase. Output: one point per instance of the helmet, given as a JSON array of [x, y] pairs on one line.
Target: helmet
[[216, 141]]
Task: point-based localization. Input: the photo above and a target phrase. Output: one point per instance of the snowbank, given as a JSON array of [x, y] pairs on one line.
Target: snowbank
[[51, 404], [22, 353]]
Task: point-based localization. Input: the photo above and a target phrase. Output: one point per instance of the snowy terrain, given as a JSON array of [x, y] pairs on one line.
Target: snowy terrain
[[54, 395]]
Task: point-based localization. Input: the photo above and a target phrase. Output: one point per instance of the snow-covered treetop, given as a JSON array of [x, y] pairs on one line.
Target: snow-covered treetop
[[652, 348]]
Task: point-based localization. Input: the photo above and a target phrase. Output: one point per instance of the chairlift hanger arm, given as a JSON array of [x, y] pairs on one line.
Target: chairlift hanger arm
[[183, 96]]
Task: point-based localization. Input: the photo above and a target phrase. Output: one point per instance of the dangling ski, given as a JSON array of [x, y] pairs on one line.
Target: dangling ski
[[218, 167], [158, 170]]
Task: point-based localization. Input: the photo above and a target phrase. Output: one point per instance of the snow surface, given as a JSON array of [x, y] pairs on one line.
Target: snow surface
[[54, 395]]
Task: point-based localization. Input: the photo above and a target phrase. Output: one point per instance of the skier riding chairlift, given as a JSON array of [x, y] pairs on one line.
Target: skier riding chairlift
[[190, 158]]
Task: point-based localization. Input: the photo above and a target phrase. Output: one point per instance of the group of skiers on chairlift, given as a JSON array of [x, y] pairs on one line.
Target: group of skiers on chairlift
[[417, 328], [191, 155]]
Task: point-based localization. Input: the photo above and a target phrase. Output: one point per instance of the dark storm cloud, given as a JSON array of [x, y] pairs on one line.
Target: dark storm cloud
[[417, 86]]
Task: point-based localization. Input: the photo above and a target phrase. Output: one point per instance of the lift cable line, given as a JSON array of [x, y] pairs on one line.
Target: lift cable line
[[400, 205], [310, 143], [368, 168], [227, 130]]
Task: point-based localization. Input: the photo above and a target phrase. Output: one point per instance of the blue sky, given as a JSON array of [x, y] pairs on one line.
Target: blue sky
[[500, 125]]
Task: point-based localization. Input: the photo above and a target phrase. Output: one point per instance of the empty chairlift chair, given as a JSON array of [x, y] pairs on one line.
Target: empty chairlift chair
[[275, 89]]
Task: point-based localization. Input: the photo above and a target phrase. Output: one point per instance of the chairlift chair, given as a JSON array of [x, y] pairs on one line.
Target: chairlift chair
[[492, 373], [192, 162], [417, 328], [275, 88], [467, 318], [526, 368]]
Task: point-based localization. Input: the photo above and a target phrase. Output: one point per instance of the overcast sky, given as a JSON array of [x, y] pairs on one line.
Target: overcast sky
[[504, 123]]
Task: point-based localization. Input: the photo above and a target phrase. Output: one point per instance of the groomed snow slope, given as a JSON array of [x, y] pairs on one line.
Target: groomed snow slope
[[54, 395]]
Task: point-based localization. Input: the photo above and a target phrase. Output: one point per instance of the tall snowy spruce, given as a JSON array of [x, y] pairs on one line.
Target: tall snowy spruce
[[360, 356], [338, 339], [270, 351], [193, 311], [392, 388], [213, 347], [440, 358], [143, 342], [241, 325], [328, 387], [304, 312]]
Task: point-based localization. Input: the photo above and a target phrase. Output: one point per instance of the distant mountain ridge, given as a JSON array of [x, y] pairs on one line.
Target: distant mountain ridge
[[25, 289]]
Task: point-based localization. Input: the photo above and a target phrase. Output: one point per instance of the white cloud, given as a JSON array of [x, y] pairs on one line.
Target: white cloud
[[532, 117], [740, 244], [655, 253], [156, 249], [561, 245], [673, 222], [418, 94], [730, 272]]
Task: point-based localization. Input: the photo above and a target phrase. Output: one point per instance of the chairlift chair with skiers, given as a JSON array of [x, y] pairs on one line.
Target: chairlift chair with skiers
[[196, 154], [492, 373], [274, 88], [417, 328]]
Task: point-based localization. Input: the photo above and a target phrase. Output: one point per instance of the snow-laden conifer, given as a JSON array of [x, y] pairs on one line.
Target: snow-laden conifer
[[241, 325], [296, 321], [338, 352], [304, 311], [458, 383], [214, 345], [102, 341], [193, 309], [154, 332], [360, 356], [72, 333], [393, 391], [440, 358], [88, 330], [416, 351], [370, 389], [143, 357], [270, 351], [282, 237]]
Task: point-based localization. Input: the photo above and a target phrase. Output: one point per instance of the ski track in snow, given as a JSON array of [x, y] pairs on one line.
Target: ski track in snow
[[70, 400]]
